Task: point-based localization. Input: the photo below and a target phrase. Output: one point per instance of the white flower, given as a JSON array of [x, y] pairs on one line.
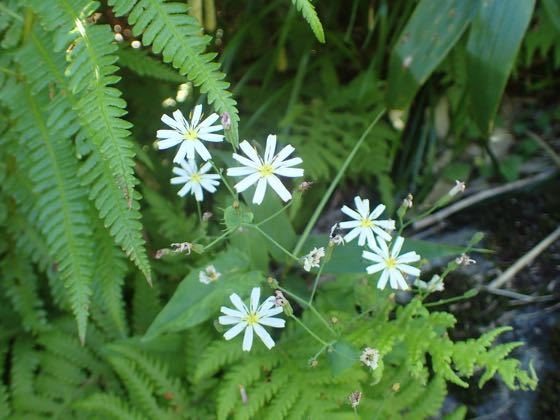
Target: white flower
[[263, 171], [251, 319], [458, 188], [189, 135], [313, 259], [209, 275], [365, 223], [434, 285], [391, 264], [195, 179], [370, 358]]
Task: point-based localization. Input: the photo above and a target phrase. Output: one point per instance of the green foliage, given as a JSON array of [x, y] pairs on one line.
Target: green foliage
[[307, 10]]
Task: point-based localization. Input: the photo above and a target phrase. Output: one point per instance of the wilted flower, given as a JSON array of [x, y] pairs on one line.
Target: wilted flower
[[354, 398], [465, 260], [313, 259], [265, 171], [206, 216], [251, 319], [280, 301], [305, 186], [209, 275], [370, 358], [458, 188], [365, 224], [337, 240]]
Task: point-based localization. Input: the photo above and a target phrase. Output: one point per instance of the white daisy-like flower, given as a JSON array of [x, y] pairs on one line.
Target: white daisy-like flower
[[365, 224], [252, 319], [189, 135], [391, 263], [195, 179], [265, 171], [209, 275]]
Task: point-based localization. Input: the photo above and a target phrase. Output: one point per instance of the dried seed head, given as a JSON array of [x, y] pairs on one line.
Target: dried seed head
[[370, 357], [305, 186], [465, 260], [354, 398]]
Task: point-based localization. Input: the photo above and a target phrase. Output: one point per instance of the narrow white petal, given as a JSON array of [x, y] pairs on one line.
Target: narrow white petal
[[196, 115], [247, 182], [377, 211], [185, 149], [402, 284], [277, 186], [273, 322], [408, 269], [202, 150], [209, 120], [172, 123], [169, 134], [208, 185], [205, 168], [372, 257], [365, 206], [375, 268], [393, 279], [264, 336], [229, 320], [179, 179], [352, 213], [181, 120], [287, 163], [289, 172], [216, 138], [249, 151], [381, 233], [284, 153], [210, 129], [370, 237], [255, 297], [270, 148], [198, 194], [352, 234], [234, 331], [232, 312], [271, 311], [166, 144], [259, 192], [349, 224], [268, 303], [247, 162], [248, 338], [386, 224], [397, 246], [185, 190], [383, 280], [383, 247], [358, 202], [362, 238], [408, 257], [240, 171], [238, 303]]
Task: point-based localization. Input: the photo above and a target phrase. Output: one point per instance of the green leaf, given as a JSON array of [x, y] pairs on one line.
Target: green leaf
[[195, 302], [234, 218], [494, 40], [552, 8], [307, 10], [433, 29], [342, 356]]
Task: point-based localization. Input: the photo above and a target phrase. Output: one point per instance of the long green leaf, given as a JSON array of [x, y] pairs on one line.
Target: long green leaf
[[494, 41]]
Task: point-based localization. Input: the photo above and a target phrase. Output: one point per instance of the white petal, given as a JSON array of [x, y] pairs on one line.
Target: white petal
[[375, 268], [240, 171], [198, 194], [377, 211], [268, 303], [284, 153], [209, 185], [259, 192], [408, 269], [273, 322], [397, 247], [216, 138], [196, 115], [255, 297], [234, 331], [400, 280], [271, 311], [247, 182], [370, 237], [372, 257], [210, 129], [359, 203], [181, 120], [172, 123], [393, 279], [362, 238], [185, 190], [250, 151], [383, 247], [287, 163], [352, 213], [179, 179], [349, 224], [280, 189], [166, 144], [248, 339], [383, 280], [264, 336], [386, 224], [408, 257], [229, 320], [270, 148], [210, 119], [205, 168], [169, 134], [238, 303], [186, 149], [232, 312], [352, 234], [289, 172], [202, 150], [381, 233]]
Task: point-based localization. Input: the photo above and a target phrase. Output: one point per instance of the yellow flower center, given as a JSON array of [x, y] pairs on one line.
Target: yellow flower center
[[391, 263], [191, 134], [252, 319], [196, 178], [266, 170], [366, 223]]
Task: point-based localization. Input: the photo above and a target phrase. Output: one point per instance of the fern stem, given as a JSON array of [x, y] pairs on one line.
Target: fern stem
[[334, 184], [275, 242], [273, 215], [306, 328]]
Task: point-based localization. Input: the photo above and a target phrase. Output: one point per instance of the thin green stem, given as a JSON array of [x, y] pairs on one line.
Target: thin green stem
[[10, 12], [8, 71], [306, 328], [333, 185], [467, 295], [272, 216], [274, 241], [316, 282], [224, 180], [199, 211], [218, 239]]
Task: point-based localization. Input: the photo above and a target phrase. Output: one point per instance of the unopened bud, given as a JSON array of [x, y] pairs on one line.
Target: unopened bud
[[119, 37], [396, 387], [273, 283], [136, 44], [206, 216], [458, 188], [282, 302], [354, 398], [408, 201], [313, 362]]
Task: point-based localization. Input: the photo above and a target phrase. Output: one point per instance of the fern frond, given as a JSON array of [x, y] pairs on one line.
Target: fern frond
[[110, 405], [141, 63], [177, 36], [307, 10], [99, 106], [52, 167]]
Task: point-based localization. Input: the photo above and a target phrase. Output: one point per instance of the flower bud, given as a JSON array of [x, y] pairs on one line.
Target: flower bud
[[458, 188]]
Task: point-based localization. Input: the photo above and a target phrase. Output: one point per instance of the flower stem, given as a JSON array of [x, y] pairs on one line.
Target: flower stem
[[271, 239], [316, 282], [272, 216], [306, 328], [333, 185], [199, 211], [224, 180], [218, 239]]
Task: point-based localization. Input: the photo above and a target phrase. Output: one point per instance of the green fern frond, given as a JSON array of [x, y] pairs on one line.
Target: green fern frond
[[141, 63], [11, 27], [307, 10], [110, 405], [177, 36], [100, 109]]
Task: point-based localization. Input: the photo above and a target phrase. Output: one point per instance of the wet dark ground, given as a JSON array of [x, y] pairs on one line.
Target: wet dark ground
[[513, 224]]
